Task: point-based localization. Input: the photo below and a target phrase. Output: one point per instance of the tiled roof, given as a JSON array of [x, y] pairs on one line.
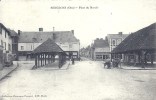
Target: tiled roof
[[58, 36], [37, 37], [100, 43], [64, 36], [117, 36], [1, 25], [144, 39], [12, 32], [48, 46]]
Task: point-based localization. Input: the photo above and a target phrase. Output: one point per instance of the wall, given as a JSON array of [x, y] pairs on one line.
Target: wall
[[6, 40], [117, 42], [103, 52], [73, 46], [28, 46]]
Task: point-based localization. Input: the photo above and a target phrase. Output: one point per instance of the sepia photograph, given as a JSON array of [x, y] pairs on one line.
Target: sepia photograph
[[77, 50]]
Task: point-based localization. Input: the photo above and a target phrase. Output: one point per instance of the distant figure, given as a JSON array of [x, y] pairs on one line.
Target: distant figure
[[142, 62], [108, 64], [80, 59], [69, 60], [116, 62], [72, 60]]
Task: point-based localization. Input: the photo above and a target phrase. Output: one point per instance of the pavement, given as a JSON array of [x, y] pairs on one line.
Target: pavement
[[6, 71], [128, 67], [137, 68], [85, 80]]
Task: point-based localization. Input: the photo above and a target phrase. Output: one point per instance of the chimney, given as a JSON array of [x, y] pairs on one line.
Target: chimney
[[97, 38], [72, 31], [19, 32], [120, 33], [40, 29]]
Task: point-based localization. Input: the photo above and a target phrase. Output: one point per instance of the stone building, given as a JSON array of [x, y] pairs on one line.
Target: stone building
[[100, 50], [28, 41], [139, 47], [114, 40], [5, 45]]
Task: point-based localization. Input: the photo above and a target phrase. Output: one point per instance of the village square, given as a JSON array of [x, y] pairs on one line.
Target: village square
[[53, 56]]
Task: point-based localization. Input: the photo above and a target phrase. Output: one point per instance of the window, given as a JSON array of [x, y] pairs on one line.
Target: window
[[113, 42], [4, 45], [74, 53], [105, 56], [22, 47], [98, 56], [9, 47], [119, 41]]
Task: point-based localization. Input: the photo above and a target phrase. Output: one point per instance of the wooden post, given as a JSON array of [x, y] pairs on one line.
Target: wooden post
[[48, 59], [59, 61], [45, 58], [139, 58], [53, 57], [146, 58], [151, 58], [36, 60], [41, 60]]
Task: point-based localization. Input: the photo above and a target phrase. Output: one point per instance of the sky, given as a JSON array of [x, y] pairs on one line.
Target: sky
[[97, 18]]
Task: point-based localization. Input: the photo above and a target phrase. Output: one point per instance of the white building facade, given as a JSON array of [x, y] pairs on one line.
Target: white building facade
[[28, 41], [114, 40], [6, 40]]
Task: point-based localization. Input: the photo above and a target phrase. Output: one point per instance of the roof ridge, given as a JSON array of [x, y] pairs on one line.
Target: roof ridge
[[42, 31]]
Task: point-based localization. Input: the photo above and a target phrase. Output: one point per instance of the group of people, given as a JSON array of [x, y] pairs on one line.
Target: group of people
[[114, 63]]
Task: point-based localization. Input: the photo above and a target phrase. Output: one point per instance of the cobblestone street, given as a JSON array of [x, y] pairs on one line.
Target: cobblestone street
[[86, 80]]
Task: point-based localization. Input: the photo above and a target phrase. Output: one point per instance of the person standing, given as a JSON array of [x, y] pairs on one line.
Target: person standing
[[73, 61]]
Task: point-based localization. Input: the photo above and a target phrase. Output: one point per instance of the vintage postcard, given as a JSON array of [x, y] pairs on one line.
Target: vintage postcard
[[77, 50]]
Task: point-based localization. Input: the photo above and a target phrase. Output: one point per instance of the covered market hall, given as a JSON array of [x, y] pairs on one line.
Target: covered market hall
[[139, 47], [48, 52]]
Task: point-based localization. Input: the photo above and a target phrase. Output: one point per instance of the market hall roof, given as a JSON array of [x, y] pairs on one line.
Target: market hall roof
[[40, 37], [48, 46], [143, 39]]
